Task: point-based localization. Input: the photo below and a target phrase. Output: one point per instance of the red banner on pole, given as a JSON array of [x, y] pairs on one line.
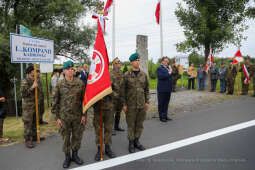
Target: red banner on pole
[[99, 82]]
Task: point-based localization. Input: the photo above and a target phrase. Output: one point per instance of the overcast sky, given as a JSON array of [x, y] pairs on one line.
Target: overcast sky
[[135, 17]]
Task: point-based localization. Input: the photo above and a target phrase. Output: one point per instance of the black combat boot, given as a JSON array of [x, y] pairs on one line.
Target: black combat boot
[[109, 152], [138, 145], [131, 147], [76, 158], [67, 161], [117, 122], [97, 156], [29, 143]]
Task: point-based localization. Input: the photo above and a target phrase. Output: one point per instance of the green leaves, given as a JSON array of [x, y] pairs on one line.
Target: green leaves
[[211, 23]]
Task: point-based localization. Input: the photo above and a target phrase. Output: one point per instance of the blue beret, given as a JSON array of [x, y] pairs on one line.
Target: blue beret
[[67, 64], [231, 61], [134, 57]]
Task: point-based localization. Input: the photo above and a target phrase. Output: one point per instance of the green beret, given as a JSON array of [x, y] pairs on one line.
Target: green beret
[[67, 64], [134, 57]]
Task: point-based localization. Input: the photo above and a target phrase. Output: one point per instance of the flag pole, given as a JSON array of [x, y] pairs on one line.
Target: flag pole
[[161, 29], [238, 67], [36, 107], [101, 130], [113, 31]]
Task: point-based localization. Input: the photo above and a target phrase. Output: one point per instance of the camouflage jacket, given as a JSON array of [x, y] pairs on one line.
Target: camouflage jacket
[[28, 95], [175, 72], [116, 81], [135, 89], [40, 91], [67, 102], [231, 72]]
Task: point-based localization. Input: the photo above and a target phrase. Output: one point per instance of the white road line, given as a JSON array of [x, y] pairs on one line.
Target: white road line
[[165, 148]]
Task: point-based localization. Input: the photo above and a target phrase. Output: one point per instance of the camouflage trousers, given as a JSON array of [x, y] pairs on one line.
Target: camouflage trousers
[[41, 110], [135, 118], [71, 131], [29, 120], [1, 127], [107, 125], [245, 87], [230, 85], [174, 84]]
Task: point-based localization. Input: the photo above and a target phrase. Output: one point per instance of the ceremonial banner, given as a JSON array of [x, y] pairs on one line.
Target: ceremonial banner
[[238, 57], [209, 61], [99, 82]]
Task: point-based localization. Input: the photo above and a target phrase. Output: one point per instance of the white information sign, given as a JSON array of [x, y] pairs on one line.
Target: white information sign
[[183, 61], [46, 68], [25, 49]]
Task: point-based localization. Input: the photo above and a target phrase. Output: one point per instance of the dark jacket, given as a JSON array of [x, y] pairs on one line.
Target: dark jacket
[[84, 77], [2, 110], [164, 79]]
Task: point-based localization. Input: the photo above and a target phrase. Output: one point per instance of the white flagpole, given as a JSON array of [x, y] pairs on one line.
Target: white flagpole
[[161, 29], [113, 30]]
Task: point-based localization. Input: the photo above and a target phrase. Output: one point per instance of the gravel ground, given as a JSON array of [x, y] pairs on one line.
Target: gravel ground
[[181, 101]]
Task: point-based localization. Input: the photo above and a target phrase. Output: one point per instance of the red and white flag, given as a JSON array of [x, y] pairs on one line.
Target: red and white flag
[[107, 7], [209, 61], [238, 58], [157, 13], [247, 75], [99, 82]]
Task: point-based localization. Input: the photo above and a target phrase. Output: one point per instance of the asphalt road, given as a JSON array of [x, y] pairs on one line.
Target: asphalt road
[[230, 151]]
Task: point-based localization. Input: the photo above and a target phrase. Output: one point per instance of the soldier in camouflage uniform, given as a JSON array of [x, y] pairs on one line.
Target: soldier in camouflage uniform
[[107, 105], [175, 76], [245, 86], [231, 75], [117, 78], [67, 106], [135, 97], [41, 98], [27, 90]]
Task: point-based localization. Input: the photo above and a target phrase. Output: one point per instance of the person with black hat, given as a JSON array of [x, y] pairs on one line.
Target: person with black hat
[[223, 77], [231, 75], [201, 77], [27, 90], [135, 98]]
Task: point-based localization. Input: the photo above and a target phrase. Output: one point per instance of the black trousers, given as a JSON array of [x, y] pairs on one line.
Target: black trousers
[[163, 101], [213, 84], [191, 82]]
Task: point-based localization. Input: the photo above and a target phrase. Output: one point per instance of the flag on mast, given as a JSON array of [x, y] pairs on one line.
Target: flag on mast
[[107, 7], [157, 13]]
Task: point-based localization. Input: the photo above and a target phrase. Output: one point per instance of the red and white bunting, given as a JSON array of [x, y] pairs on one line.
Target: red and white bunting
[[247, 75]]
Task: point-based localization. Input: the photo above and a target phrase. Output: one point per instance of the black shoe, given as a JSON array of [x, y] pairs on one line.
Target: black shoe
[[119, 129], [109, 152], [35, 138], [76, 158], [253, 95], [131, 147], [67, 161], [163, 120], [113, 132], [43, 122], [138, 145], [97, 156], [168, 119]]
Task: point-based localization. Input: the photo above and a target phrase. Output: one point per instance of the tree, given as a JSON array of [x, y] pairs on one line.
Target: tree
[[58, 20], [211, 24], [251, 11]]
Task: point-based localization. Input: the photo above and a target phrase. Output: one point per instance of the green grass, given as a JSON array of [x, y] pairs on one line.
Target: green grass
[[14, 129]]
